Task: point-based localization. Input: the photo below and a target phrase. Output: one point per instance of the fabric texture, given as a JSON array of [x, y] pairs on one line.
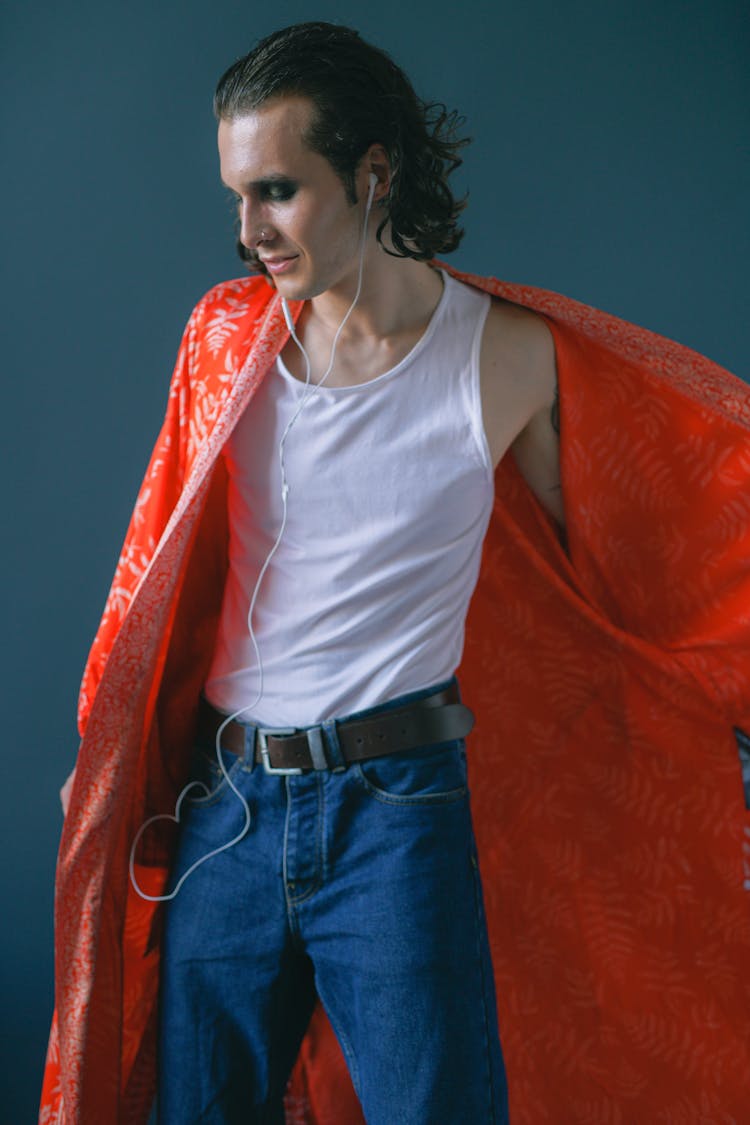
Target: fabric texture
[[607, 678]]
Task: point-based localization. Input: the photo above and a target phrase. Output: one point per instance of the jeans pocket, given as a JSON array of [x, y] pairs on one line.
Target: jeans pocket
[[208, 780], [428, 775]]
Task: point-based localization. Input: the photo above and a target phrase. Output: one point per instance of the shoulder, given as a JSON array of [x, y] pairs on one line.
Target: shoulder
[[221, 326], [518, 349], [231, 299], [517, 371]]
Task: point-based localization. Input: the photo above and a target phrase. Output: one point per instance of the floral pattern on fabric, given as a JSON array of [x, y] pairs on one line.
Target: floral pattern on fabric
[[607, 678]]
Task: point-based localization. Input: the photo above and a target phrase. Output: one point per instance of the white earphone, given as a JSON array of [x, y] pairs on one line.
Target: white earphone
[[311, 388]]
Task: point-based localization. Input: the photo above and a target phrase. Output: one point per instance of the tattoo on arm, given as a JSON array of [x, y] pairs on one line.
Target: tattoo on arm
[[554, 414]]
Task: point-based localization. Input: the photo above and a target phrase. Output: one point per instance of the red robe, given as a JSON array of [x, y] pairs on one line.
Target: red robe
[[607, 678]]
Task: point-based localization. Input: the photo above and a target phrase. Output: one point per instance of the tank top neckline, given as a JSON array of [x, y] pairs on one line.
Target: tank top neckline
[[409, 358]]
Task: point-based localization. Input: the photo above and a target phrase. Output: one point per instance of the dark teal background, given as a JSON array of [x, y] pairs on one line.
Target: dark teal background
[[610, 162]]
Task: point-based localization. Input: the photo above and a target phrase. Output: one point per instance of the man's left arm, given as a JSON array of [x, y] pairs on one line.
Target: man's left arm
[[520, 402]]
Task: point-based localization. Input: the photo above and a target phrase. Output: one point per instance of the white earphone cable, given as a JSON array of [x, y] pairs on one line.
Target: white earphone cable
[[310, 390]]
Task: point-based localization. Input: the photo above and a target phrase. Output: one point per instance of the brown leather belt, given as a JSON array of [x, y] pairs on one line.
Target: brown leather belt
[[440, 717]]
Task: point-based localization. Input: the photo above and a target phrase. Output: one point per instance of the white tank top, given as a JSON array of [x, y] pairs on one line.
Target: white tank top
[[390, 494]]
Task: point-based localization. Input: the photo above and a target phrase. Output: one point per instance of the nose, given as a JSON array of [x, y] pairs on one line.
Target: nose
[[252, 229]]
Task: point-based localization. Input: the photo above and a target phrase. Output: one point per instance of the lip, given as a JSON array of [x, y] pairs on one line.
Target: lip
[[279, 265]]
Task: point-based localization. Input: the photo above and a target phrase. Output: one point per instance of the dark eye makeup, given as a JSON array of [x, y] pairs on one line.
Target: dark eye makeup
[[269, 191], [277, 191]]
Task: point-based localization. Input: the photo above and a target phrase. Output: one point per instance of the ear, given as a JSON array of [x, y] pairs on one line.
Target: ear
[[375, 162]]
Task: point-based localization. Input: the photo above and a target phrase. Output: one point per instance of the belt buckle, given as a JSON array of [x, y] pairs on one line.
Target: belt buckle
[[262, 734]]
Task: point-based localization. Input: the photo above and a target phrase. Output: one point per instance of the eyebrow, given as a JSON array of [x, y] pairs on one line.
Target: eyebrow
[[273, 178]]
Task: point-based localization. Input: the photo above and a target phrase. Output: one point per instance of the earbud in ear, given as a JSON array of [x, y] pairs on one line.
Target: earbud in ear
[[373, 184]]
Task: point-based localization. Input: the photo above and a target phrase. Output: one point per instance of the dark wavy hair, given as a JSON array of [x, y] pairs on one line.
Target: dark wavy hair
[[361, 98]]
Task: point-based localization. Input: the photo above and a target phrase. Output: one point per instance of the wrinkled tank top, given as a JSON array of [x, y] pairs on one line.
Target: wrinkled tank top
[[390, 493]]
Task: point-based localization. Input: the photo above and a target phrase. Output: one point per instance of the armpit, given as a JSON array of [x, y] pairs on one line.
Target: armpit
[[536, 450]]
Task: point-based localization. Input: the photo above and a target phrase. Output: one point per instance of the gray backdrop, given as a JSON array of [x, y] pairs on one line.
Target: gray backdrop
[[610, 162]]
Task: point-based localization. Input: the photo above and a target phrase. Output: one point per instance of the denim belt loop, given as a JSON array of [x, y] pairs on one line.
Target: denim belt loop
[[336, 758]]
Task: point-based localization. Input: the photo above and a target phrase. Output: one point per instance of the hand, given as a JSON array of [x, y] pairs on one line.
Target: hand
[[66, 791]]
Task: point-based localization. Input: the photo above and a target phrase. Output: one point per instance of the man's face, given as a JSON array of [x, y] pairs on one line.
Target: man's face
[[293, 208]]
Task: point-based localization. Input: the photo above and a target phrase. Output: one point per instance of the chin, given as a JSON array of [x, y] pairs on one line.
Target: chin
[[296, 291]]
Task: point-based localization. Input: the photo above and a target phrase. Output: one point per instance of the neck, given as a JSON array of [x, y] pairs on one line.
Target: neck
[[397, 301], [396, 293]]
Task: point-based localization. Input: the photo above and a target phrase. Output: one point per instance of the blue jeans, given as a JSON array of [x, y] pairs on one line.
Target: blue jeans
[[361, 887]]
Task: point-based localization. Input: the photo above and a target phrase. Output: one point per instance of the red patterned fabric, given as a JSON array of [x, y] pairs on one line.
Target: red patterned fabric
[[606, 676]]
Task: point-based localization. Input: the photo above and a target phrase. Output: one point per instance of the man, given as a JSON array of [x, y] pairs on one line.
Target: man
[[337, 424]]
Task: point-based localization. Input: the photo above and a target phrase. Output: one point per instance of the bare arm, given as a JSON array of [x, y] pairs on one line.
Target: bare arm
[[520, 399]]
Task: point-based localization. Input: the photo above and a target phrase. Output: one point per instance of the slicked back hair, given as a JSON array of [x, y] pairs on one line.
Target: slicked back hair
[[360, 98]]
